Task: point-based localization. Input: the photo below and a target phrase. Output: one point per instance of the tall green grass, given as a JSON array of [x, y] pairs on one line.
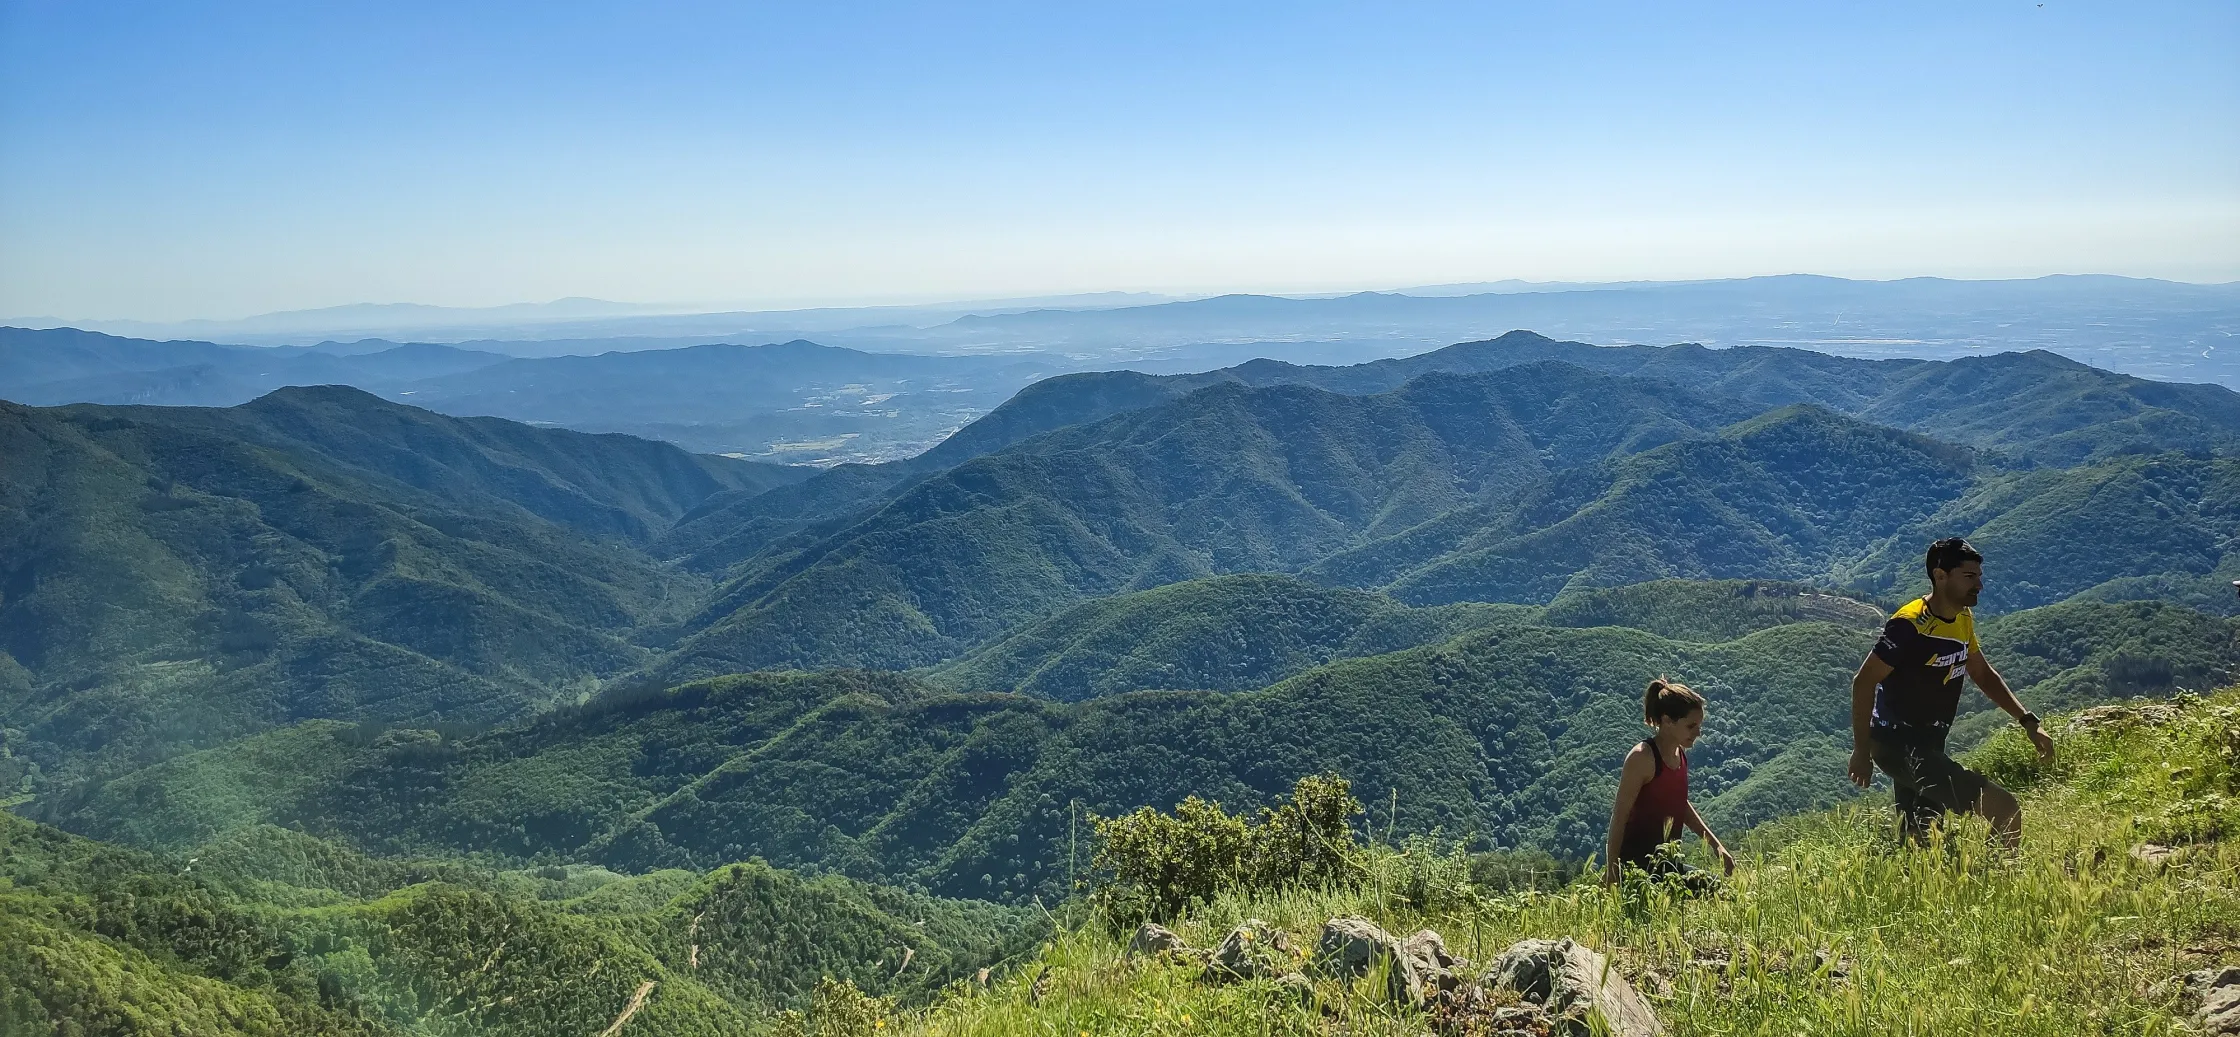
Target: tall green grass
[[1829, 927]]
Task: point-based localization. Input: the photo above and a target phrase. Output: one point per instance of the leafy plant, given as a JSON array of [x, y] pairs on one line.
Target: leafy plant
[[1159, 864]]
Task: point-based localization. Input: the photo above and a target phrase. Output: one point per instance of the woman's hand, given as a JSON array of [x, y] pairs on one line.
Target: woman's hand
[[1726, 860], [1610, 873]]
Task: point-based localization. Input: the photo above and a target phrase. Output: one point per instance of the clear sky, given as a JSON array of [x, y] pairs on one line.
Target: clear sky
[[217, 159]]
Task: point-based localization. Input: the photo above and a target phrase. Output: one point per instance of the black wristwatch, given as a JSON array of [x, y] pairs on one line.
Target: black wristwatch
[[2028, 720]]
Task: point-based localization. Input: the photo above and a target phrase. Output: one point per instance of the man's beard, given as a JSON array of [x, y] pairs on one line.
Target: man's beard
[[1968, 597]]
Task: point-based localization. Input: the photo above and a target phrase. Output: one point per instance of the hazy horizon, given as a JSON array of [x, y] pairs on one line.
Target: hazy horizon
[[578, 307]]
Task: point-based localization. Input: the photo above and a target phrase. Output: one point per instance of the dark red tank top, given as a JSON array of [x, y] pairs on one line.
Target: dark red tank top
[[1657, 809]]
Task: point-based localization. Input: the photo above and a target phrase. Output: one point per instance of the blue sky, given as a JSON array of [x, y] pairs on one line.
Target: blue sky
[[220, 159]]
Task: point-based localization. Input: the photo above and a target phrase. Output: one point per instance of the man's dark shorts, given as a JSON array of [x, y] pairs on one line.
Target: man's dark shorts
[[1929, 783]]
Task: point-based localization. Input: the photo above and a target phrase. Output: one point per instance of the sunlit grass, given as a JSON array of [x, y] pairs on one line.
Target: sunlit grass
[[1830, 927]]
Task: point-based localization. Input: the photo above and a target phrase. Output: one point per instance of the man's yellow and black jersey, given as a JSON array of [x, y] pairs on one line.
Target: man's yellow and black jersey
[[1928, 660]]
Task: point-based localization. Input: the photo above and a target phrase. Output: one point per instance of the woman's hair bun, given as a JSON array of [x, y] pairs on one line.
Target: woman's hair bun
[[1668, 699]]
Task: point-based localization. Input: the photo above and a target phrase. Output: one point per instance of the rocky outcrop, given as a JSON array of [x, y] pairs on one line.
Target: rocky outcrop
[[1572, 983], [2211, 998], [1536, 987]]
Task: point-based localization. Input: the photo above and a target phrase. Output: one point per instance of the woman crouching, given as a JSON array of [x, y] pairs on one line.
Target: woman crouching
[[1652, 804]]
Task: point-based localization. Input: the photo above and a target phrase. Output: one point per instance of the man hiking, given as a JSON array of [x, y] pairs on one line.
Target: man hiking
[[1907, 691]]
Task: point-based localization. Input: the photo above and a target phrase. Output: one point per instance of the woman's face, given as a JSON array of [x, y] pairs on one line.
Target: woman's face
[[1684, 731]]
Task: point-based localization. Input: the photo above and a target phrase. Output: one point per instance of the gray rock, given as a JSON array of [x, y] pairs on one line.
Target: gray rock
[[1572, 983], [1434, 967], [1252, 950], [2212, 996], [1349, 948], [1153, 940]]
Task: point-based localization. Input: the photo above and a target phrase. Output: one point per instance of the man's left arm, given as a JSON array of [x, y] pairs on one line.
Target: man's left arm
[[1994, 687]]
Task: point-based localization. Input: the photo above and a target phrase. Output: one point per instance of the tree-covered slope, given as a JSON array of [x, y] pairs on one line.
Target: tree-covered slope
[[1228, 480], [173, 577], [1508, 736], [2037, 404], [1793, 494], [1803, 494], [274, 932], [1221, 633], [1708, 610]]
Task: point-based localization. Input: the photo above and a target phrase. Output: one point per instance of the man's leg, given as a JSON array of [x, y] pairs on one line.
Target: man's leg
[[1944, 781], [1999, 807], [1916, 813]]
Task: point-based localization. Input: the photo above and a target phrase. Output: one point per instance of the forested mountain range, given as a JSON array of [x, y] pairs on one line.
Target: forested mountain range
[[478, 667], [1502, 486], [173, 576], [270, 931], [1502, 736]]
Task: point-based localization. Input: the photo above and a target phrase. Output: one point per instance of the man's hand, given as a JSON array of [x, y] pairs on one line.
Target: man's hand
[[1610, 873], [1862, 767], [1726, 860], [2043, 741]]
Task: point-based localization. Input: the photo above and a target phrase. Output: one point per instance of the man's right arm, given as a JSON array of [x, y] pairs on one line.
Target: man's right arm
[[1871, 673]]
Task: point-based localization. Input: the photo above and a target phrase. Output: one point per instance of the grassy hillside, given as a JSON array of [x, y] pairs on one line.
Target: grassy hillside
[[1829, 926], [1503, 736], [273, 932]]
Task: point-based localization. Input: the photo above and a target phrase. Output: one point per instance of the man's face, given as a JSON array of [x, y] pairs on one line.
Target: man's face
[[1961, 584]]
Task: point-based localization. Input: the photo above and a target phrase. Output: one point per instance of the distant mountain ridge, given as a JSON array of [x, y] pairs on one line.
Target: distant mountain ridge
[[787, 402], [65, 365]]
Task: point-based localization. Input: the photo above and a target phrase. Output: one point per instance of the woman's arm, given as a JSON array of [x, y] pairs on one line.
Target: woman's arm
[[1638, 770], [1695, 822]]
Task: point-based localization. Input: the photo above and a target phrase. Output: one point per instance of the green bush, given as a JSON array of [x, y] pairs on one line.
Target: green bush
[[838, 1009], [1160, 864]]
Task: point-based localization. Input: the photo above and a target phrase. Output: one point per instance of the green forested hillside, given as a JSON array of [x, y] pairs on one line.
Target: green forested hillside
[[177, 577], [1227, 480], [1541, 495], [1708, 610], [2037, 403], [1795, 493], [1504, 736], [1221, 633], [273, 932]]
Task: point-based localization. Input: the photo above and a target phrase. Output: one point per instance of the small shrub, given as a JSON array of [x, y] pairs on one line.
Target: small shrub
[[1159, 864], [837, 1009]]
